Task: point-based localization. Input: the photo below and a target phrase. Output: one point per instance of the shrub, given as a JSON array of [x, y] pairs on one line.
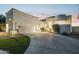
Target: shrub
[[56, 28]]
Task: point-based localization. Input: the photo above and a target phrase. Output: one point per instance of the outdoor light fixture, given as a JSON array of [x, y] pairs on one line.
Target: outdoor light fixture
[[50, 24], [9, 19], [34, 29], [37, 27]]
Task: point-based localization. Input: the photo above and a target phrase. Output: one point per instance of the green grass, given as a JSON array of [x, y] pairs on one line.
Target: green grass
[[15, 45]]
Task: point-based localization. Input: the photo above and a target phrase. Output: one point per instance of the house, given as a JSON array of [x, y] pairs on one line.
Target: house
[[50, 21], [64, 22], [75, 23], [24, 22]]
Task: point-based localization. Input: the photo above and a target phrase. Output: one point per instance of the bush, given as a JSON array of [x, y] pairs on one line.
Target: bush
[[56, 28], [2, 27], [43, 29]]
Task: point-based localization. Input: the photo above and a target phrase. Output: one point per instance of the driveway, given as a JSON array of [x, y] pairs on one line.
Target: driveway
[[48, 43]]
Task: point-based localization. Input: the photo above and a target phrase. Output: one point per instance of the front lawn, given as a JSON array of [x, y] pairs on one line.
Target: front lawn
[[15, 45]]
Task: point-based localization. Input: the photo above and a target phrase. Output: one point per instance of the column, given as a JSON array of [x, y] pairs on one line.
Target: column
[[7, 28]]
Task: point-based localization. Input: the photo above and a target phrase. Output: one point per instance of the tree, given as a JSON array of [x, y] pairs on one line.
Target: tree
[[2, 22], [56, 28], [2, 19]]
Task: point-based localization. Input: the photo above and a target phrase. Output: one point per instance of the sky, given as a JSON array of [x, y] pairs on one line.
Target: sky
[[42, 10]]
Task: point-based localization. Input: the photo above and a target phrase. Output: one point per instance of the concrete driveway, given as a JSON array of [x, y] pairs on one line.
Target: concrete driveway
[[47, 43]]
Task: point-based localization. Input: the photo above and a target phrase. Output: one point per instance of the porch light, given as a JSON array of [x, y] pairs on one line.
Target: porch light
[[50, 24], [34, 29]]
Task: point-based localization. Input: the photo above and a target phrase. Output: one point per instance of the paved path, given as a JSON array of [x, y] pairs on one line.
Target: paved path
[[3, 52], [47, 43]]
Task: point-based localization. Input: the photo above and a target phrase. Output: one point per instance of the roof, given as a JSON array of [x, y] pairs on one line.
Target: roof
[[19, 11], [43, 20], [50, 17]]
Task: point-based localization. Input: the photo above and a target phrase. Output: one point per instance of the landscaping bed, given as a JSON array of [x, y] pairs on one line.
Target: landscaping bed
[[15, 45], [72, 35]]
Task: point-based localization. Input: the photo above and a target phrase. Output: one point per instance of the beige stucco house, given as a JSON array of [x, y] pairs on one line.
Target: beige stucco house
[[65, 22], [25, 22], [48, 22]]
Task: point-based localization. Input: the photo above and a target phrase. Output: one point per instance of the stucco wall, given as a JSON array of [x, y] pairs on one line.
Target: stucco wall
[[26, 21], [75, 29], [50, 21]]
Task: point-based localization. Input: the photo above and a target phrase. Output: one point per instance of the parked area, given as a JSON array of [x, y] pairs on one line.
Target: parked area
[[73, 35], [44, 43]]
